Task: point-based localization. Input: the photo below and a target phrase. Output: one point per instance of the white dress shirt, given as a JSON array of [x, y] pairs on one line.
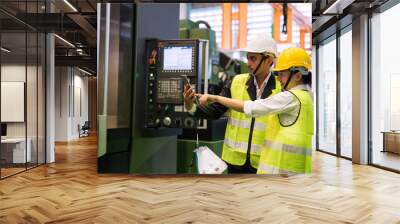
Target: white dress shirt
[[284, 103], [260, 89]]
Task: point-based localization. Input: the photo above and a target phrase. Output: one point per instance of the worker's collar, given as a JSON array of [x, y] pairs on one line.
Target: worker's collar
[[264, 83], [254, 80]]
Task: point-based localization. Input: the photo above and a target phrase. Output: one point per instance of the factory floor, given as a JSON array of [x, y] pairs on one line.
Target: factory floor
[[71, 191]]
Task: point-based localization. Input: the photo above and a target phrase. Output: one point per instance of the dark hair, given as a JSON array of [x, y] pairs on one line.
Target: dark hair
[[307, 79]]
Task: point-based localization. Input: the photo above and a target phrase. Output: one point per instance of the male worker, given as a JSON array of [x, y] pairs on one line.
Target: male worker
[[244, 136]]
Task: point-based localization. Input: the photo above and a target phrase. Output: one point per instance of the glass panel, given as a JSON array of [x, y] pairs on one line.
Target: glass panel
[[327, 96], [13, 89], [119, 84], [314, 90], [114, 86], [41, 98], [31, 98], [346, 94], [385, 86]]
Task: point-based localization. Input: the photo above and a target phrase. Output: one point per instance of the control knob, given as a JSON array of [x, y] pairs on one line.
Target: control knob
[[167, 121]]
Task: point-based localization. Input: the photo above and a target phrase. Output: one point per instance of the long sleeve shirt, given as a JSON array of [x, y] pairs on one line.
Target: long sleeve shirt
[[283, 103], [216, 110]]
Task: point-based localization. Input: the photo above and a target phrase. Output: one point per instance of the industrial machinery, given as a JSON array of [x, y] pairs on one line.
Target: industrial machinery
[[222, 66], [211, 132], [143, 125]]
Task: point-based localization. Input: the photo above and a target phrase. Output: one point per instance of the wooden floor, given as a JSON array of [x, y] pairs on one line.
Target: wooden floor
[[10, 171], [71, 191]]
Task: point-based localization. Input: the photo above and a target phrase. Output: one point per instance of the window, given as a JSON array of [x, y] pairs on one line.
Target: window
[[346, 93], [327, 96], [385, 89]]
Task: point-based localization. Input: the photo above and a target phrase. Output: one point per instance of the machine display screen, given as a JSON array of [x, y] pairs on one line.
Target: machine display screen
[[178, 58]]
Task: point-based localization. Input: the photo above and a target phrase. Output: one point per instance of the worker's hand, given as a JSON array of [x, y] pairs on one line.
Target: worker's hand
[[188, 96], [205, 99]]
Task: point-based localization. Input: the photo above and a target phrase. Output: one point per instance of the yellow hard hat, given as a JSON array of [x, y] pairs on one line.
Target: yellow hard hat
[[292, 57]]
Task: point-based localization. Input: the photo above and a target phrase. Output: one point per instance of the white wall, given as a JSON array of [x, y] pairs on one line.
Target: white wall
[[62, 81], [13, 101], [71, 102], [80, 111], [13, 72]]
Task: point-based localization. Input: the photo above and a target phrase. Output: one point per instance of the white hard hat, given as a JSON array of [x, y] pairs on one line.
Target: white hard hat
[[261, 44]]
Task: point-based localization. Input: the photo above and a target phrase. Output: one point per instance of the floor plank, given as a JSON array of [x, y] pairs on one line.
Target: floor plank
[[71, 191]]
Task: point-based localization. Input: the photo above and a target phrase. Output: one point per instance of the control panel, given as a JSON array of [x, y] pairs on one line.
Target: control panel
[[170, 64]]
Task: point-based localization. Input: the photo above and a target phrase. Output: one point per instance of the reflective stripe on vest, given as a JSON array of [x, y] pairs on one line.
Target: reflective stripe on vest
[[258, 126], [265, 169], [288, 148], [242, 146]]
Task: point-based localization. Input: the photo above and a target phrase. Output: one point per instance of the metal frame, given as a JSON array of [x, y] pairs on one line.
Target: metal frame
[[338, 98], [26, 88], [316, 97], [0, 95], [369, 78], [227, 18]]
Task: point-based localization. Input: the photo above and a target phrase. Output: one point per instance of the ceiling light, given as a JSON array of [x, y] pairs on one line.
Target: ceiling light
[[5, 50], [331, 7], [65, 41], [84, 71], [70, 5], [337, 7]]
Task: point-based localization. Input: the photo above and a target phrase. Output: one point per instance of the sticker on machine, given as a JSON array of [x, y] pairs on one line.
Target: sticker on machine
[[179, 108]]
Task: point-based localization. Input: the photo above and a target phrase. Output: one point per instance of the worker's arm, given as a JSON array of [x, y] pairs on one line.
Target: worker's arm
[[210, 111], [279, 103], [228, 102]]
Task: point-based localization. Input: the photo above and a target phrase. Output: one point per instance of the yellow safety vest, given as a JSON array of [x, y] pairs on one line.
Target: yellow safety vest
[[240, 128], [288, 150]]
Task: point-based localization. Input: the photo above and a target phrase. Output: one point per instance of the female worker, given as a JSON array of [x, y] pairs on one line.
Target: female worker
[[288, 139]]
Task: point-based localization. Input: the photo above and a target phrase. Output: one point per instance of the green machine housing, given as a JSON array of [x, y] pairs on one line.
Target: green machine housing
[[213, 135]]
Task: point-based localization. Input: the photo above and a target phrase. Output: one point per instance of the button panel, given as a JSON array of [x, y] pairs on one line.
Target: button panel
[[164, 106]]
